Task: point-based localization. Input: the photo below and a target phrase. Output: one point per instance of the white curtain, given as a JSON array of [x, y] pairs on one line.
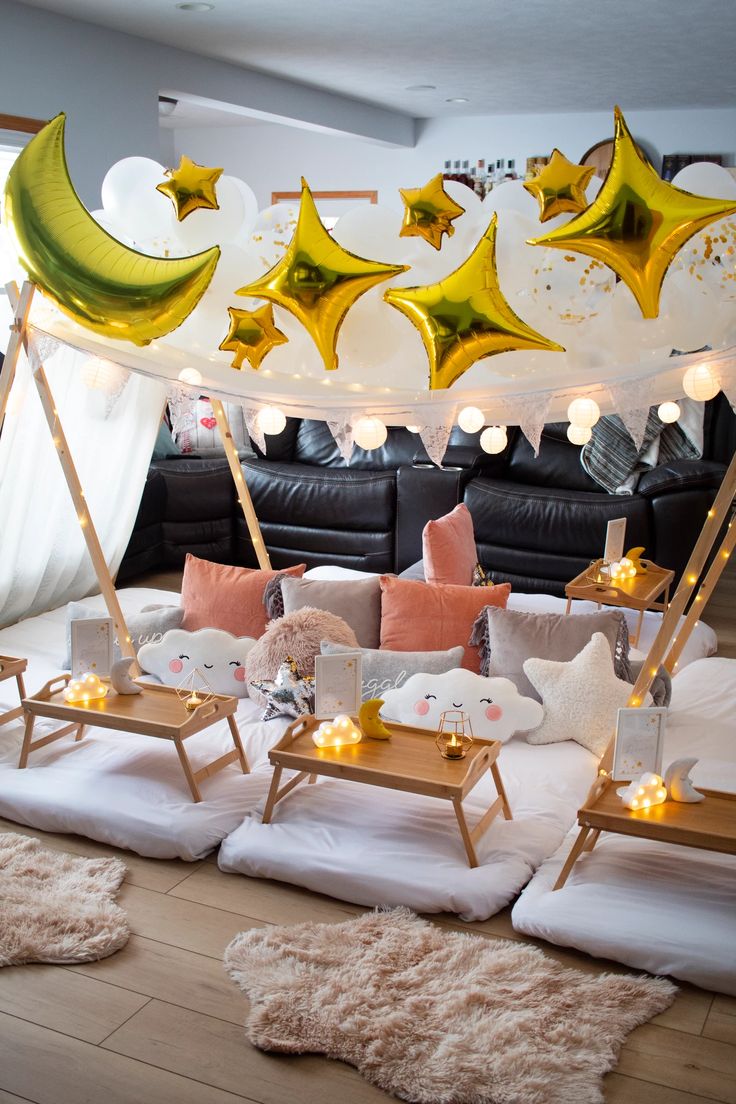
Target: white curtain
[[43, 558]]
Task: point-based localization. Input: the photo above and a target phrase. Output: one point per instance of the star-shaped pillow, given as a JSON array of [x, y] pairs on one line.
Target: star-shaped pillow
[[288, 694], [580, 697]]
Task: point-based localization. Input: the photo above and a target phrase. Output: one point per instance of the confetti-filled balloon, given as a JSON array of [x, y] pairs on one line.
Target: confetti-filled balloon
[[465, 317], [560, 187], [318, 281], [92, 277], [190, 187], [637, 222], [429, 211]]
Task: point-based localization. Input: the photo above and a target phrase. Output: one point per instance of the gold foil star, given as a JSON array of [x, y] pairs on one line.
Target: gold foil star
[[465, 317], [317, 280], [560, 186], [189, 187], [637, 222], [252, 334], [429, 212]]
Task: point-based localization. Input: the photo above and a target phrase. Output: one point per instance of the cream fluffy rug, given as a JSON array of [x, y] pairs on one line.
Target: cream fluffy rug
[[439, 1017], [56, 907]]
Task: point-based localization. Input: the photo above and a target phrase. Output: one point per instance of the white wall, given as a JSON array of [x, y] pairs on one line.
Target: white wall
[[272, 158], [108, 83]]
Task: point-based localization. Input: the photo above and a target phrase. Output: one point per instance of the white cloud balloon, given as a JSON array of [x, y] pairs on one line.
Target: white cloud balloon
[[220, 656]]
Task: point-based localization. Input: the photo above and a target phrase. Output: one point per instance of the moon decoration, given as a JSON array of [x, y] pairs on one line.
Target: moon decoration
[[252, 334], [465, 317], [637, 222], [634, 556], [95, 279], [190, 187], [678, 782], [120, 679], [370, 721], [560, 187], [317, 280], [428, 212]]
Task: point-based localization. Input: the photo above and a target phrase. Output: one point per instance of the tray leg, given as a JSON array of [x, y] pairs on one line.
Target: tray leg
[[79, 733], [635, 639], [465, 832], [235, 732], [572, 858], [593, 839], [272, 795], [186, 767], [501, 790], [27, 737]]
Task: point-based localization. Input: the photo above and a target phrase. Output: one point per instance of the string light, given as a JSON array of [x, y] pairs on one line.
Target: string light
[[369, 433], [494, 439], [579, 435], [471, 419], [700, 382], [668, 412], [583, 412], [190, 376], [271, 420]]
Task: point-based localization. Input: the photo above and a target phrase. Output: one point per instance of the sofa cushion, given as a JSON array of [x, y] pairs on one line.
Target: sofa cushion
[[384, 670], [357, 601], [218, 596], [418, 617], [448, 548]]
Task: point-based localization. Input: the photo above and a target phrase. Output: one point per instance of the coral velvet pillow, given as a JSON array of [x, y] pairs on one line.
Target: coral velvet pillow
[[418, 617], [218, 596], [448, 548]]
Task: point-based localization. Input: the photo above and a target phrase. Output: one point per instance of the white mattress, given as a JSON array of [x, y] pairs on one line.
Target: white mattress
[[119, 788], [658, 907]]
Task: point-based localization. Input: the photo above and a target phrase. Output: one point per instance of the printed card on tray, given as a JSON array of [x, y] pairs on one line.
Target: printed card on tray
[[338, 681], [92, 639], [615, 537], [638, 745]]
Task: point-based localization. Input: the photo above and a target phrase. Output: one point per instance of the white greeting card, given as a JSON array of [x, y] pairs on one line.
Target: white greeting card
[[638, 745], [615, 537], [338, 682], [92, 639]]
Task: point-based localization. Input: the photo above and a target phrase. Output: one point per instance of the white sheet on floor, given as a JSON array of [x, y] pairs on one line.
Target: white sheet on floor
[[703, 641], [655, 906], [120, 788]]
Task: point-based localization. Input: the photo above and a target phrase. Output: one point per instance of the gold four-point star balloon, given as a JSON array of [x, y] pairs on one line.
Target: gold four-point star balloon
[[465, 317], [428, 212], [252, 334], [191, 186], [317, 280], [560, 186], [637, 222]]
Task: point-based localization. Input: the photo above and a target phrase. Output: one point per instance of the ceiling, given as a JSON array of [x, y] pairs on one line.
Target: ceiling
[[503, 56]]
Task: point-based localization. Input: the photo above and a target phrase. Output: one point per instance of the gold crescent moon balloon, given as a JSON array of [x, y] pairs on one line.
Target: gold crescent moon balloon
[[465, 317], [95, 279], [637, 222], [317, 280]]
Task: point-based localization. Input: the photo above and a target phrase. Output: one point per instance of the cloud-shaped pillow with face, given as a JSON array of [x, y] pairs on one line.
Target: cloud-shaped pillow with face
[[219, 655], [495, 707]]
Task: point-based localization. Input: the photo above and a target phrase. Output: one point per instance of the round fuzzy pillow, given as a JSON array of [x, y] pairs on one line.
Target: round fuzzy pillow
[[299, 635]]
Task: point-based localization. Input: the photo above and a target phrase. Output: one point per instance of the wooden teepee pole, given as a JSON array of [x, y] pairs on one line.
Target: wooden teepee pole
[[21, 305], [241, 487]]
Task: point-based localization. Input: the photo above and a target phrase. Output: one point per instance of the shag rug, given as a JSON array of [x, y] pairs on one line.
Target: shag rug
[[439, 1017], [56, 907]]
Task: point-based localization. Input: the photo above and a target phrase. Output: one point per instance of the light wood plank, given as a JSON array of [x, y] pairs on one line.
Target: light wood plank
[[182, 923], [49, 1068], [158, 874], [721, 1026], [688, 1012], [726, 1006], [629, 1090], [10, 1098], [219, 1054], [270, 902], [57, 998], [690, 1063], [173, 975]]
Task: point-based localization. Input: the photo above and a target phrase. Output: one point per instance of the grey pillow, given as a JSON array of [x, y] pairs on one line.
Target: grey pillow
[[661, 688], [506, 638], [145, 627], [384, 670], [356, 601]]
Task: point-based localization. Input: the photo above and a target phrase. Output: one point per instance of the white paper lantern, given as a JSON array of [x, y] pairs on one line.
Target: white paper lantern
[[190, 376], [471, 419], [494, 439], [271, 420], [700, 382], [369, 433], [579, 435], [102, 375], [668, 412], [414, 428], [583, 412]]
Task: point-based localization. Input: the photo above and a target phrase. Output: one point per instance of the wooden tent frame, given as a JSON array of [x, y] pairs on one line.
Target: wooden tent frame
[[20, 338]]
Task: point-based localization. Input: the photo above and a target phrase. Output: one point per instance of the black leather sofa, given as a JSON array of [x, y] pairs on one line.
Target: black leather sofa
[[538, 522]]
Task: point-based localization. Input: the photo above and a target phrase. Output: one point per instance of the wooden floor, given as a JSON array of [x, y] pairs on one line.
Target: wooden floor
[[160, 1023]]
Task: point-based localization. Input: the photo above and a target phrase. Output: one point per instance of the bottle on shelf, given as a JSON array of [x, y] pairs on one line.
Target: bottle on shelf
[[480, 178], [511, 169], [500, 172]]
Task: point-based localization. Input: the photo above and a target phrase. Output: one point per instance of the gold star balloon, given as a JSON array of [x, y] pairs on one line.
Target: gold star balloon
[[252, 334], [560, 186], [317, 280], [428, 212], [637, 222], [465, 317], [190, 187]]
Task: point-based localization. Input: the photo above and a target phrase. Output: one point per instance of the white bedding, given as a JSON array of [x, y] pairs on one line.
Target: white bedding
[[120, 788], [658, 907]]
